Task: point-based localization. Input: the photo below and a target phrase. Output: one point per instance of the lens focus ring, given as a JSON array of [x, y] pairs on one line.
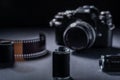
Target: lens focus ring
[[79, 35]]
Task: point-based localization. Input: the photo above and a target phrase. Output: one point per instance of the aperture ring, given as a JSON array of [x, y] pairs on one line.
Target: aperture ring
[[88, 30]]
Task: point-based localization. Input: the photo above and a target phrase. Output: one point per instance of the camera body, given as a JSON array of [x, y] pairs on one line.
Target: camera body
[[83, 28]]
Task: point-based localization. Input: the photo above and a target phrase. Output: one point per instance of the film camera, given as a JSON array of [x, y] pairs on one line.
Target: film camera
[[83, 28]]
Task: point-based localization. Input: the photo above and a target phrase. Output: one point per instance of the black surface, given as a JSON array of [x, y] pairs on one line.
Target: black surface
[[83, 66]]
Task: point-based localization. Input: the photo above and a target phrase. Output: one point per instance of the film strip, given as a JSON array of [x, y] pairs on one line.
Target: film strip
[[29, 49]]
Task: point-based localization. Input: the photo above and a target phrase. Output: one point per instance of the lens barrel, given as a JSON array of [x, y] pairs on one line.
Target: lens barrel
[[79, 35]]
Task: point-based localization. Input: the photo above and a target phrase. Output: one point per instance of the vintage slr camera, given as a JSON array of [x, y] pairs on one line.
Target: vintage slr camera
[[83, 28]]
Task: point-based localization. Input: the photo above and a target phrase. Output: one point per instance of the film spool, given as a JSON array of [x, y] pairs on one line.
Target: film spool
[[6, 54], [61, 64], [29, 49], [110, 63]]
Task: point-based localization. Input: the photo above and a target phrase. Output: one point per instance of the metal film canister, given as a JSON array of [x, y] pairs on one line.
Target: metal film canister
[[61, 64], [110, 63], [6, 54]]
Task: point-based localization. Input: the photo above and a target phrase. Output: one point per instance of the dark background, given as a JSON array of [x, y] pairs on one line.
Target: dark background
[[38, 13]]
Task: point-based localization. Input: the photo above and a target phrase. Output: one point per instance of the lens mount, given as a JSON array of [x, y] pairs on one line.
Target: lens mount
[[79, 35]]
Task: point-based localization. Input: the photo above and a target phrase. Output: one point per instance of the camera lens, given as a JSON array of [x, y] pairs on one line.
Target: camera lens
[[76, 38], [79, 35]]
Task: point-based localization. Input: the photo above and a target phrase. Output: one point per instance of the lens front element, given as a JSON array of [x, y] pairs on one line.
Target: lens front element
[[79, 35]]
